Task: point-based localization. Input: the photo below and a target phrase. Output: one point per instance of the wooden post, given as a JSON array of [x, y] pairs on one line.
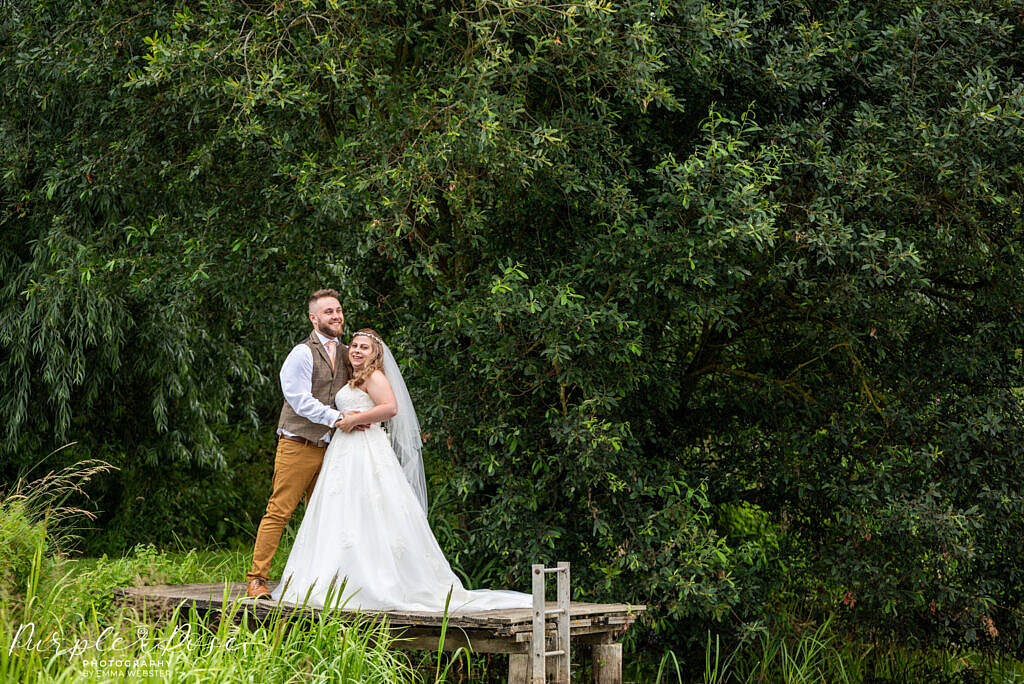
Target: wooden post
[[537, 645], [519, 668], [607, 663], [563, 623]]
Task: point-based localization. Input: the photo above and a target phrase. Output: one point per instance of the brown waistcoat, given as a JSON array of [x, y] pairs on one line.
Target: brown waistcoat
[[326, 383]]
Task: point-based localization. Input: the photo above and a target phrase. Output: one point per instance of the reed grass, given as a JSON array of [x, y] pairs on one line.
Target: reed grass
[[820, 654], [58, 620]]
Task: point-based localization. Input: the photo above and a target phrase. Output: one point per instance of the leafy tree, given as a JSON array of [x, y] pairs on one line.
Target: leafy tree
[[719, 301]]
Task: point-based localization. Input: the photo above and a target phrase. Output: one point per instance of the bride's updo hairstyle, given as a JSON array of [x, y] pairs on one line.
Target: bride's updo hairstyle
[[358, 378]]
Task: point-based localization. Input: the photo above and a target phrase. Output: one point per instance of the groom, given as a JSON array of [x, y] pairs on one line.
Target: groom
[[311, 376]]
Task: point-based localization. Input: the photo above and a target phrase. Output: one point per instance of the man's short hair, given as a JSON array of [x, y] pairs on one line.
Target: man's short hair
[[320, 294]]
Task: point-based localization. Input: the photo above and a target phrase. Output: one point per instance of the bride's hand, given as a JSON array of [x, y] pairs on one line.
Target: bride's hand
[[348, 423]]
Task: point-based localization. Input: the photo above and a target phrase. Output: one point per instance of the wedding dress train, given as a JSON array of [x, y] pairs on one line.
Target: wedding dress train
[[364, 526]]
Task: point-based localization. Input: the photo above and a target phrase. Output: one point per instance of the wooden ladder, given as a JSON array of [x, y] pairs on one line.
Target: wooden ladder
[[538, 653]]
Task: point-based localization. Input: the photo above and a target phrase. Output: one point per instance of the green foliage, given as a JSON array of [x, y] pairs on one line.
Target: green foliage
[[21, 539], [193, 504], [37, 525], [72, 600], [63, 615], [184, 644], [647, 264], [818, 653]]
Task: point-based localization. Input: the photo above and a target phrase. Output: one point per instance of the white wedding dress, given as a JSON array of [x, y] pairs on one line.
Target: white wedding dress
[[364, 526]]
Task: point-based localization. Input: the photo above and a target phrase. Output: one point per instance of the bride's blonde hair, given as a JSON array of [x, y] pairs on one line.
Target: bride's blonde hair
[[358, 378]]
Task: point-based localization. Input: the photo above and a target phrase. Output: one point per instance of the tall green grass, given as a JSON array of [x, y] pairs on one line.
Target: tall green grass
[[58, 620], [820, 654]]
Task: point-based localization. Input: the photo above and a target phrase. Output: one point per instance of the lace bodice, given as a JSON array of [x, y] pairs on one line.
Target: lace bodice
[[351, 398]]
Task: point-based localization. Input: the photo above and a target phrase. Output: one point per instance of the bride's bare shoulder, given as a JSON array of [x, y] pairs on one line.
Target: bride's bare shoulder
[[379, 389], [378, 379]]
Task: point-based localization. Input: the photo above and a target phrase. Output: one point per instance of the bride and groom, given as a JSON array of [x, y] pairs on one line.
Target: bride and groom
[[364, 541]]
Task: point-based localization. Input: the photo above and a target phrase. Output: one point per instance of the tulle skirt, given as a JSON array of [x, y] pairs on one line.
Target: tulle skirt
[[364, 542]]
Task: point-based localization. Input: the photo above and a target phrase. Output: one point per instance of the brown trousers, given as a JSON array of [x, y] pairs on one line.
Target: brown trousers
[[296, 467]]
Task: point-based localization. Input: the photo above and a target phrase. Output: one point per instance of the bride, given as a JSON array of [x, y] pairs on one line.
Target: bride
[[364, 541]]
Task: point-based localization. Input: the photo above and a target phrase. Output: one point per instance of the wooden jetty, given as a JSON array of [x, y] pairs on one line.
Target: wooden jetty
[[596, 627]]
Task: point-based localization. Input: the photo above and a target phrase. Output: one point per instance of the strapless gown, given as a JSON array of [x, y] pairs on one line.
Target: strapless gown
[[364, 526]]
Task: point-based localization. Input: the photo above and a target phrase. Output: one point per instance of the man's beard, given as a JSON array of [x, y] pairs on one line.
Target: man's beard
[[324, 331]]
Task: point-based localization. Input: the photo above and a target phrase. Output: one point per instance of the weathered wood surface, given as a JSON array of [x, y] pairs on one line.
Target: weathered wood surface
[[599, 626], [512, 625], [564, 641], [606, 663]]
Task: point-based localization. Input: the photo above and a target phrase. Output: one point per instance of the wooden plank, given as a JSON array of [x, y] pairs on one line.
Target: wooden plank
[[204, 599], [235, 589], [551, 628], [420, 638], [214, 592], [407, 637], [575, 632], [579, 609], [516, 626], [564, 642], [537, 642], [574, 619], [263, 609]]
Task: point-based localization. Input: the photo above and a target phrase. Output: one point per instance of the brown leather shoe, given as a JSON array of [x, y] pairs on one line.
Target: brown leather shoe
[[258, 589]]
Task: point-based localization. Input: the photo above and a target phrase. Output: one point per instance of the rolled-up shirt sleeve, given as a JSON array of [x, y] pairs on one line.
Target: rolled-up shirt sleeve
[[297, 385]]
